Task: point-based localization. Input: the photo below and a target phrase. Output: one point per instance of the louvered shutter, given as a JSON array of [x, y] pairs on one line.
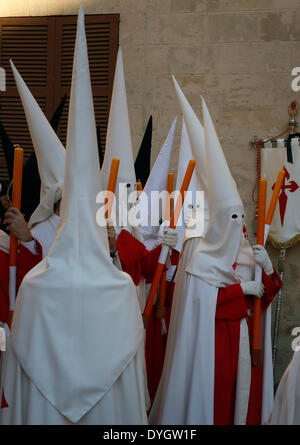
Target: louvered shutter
[[102, 39], [42, 50], [29, 43]]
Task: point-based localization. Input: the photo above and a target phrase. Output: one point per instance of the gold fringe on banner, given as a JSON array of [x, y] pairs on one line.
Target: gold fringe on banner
[[286, 244]]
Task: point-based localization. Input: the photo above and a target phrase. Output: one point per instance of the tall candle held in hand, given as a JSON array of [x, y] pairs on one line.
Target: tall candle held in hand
[[262, 198], [111, 187], [163, 281], [165, 250]]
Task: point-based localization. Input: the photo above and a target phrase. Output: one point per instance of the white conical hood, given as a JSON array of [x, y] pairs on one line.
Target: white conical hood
[[196, 135], [118, 138], [222, 190], [77, 322], [157, 182], [187, 216], [50, 152], [185, 155], [217, 253]]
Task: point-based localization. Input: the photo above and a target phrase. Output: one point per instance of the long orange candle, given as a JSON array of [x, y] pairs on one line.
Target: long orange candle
[[161, 262], [274, 198], [262, 198], [111, 187], [163, 282], [170, 183], [185, 185], [13, 247], [139, 186]]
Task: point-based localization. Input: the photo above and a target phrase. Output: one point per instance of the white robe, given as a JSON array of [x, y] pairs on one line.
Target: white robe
[[129, 390], [186, 391], [27, 406], [181, 398], [45, 232], [286, 409]]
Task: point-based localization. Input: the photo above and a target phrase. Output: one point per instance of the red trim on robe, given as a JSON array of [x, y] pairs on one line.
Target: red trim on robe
[[135, 259], [232, 306], [139, 263], [27, 260], [272, 285], [4, 282], [174, 257], [4, 403], [156, 344], [230, 309]]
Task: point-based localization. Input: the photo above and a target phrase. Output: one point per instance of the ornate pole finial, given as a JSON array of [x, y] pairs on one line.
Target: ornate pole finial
[[293, 111]]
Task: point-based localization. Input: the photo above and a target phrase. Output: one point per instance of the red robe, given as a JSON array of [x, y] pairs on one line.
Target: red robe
[[135, 259], [25, 262], [232, 306], [139, 263], [156, 340]]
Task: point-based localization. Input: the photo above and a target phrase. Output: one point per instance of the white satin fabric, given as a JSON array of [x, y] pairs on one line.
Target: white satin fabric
[[183, 372], [217, 252], [46, 206], [119, 145], [286, 409], [45, 233], [186, 391], [28, 406]]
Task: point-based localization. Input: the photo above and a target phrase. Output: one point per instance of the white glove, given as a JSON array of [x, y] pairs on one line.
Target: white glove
[[262, 258], [253, 288], [170, 238]]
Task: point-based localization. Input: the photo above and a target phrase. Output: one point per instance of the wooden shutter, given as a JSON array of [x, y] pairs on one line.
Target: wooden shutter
[[102, 39], [42, 49]]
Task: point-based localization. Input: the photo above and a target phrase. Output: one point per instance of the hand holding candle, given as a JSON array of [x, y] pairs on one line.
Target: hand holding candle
[[161, 310], [262, 234], [165, 250], [262, 197]]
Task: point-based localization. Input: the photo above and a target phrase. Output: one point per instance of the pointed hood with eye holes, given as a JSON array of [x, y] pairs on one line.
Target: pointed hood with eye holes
[[50, 152], [31, 184], [188, 214], [118, 141], [217, 253], [192, 147], [77, 324], [195, 133], [156, 183]]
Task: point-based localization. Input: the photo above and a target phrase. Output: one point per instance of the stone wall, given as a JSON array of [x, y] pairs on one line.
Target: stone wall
[[237, 53]]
